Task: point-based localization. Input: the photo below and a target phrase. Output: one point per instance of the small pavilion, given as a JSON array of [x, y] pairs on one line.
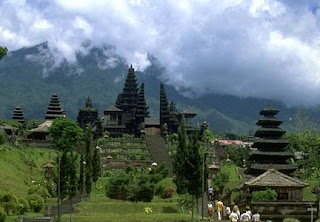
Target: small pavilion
[[113, 121], [287, 188]]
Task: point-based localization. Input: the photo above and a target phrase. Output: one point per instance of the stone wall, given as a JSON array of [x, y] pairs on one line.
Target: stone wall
[[276, 211]]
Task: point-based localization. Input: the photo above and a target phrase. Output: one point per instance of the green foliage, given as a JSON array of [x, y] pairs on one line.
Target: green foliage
[[127, 136], [208, 135], [96, 173], [159, 190], [168, 193], [186, 201], [72, 171], [2, 138], [193, 172], [37, 189], [180, 158], [88, 159], [265, 195], [221, 180], [9, 203], [117, 187], [308, 142], [36, 202], [66, 134], [3, 51], [239, 155], [3, 215], [159, 172], [23, 206], [140, 188], [292, 220], [81, 175], [134, 185]]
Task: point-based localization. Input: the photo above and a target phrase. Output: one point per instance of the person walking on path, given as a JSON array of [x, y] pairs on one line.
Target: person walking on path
[[233, 217], [248, 211], [245, 217], [236, 209], [219, 209], [256, 217], [210, 192], [210, 210]]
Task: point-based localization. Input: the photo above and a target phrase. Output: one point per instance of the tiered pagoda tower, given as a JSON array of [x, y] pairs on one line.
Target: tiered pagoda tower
[[54, 109], [174, 121], [271, 150], [18, 115], [164, 106], [87, 114], [142, 108], [127, 101]]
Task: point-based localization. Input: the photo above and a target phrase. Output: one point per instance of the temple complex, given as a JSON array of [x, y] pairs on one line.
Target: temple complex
[[271, 147], [54, 109], [18, 115], [130, 110]]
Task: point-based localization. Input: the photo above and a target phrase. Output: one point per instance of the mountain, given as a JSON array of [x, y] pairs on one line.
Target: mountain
[[29, 76]]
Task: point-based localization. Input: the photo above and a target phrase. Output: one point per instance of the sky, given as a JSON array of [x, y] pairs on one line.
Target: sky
[[248, 48]]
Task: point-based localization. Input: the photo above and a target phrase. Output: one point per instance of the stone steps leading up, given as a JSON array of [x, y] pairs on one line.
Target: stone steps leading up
[[159, 151], [37, 219]]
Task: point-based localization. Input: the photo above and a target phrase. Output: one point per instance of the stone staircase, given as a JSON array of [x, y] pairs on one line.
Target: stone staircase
[[159, 151], [36, 219], [68, 206]]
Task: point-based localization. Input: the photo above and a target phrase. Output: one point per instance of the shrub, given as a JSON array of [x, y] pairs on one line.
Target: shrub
[[23, 206], [2, 138], [10, 203], [117, 187], [159, 190], [3, 215], [131, 185], [36, 202], [42, 191], [265, 195], [291, 220], [168, 193], [141, 188]]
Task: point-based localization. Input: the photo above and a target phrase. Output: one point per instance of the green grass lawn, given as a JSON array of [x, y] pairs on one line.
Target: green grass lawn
[[307, 194], [100, 208]]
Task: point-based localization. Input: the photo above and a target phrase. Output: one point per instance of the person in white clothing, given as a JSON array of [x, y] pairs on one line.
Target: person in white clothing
[[245, 217], [233, 217]]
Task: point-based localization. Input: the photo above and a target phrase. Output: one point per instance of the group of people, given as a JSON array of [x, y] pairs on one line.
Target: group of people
[[246, 216], [235, 215]]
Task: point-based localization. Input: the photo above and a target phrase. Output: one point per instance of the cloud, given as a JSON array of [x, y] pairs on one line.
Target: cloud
[[260, 48]]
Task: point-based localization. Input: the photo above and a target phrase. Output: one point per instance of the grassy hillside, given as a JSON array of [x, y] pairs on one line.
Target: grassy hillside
[[22, 167]]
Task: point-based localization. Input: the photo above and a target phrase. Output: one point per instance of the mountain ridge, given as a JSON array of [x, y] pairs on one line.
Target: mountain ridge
[[30, 75]]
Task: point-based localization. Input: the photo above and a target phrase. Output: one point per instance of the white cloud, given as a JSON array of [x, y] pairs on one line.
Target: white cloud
[[263, 48]]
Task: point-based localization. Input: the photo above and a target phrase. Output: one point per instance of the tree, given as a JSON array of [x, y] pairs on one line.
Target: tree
[[179, 161], [88, 159], [305, 139], [81, 175], [96, 167], [66, 134], [3, 51], [188, 164], [193, 168]]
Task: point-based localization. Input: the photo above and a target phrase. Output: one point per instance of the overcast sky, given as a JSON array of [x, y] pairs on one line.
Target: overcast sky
[[260, 48]]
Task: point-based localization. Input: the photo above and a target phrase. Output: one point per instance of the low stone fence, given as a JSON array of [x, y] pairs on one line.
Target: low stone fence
[[276, 211]]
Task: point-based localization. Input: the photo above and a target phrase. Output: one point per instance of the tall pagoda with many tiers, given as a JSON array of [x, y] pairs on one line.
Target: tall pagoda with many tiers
[[271, 150], [18, 115], [54, 109]]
